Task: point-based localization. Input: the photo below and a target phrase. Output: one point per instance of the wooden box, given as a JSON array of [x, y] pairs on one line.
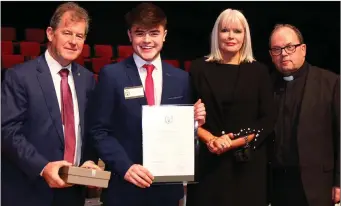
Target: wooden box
[[84, 176]]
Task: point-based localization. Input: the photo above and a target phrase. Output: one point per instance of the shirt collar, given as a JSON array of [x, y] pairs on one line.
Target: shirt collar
[[140, 62], [54, 66], [297, 74]]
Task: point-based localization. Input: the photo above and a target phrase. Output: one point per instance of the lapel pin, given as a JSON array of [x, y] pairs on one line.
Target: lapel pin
[[79, 74]]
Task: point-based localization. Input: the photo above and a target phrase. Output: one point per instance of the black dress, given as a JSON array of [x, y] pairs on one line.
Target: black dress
[[238, 99]]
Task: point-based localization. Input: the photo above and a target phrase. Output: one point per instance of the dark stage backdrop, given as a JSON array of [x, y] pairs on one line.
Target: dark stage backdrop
[[190, 25]]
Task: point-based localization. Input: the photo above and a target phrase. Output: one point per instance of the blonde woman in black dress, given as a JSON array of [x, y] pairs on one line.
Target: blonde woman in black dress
[[237, 93]]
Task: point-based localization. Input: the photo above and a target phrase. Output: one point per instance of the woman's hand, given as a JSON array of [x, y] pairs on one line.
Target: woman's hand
[[224, 143], [211, 147]]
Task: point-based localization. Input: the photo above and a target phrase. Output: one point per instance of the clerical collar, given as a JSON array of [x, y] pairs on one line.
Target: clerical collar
[[288, 78], [300, 72]]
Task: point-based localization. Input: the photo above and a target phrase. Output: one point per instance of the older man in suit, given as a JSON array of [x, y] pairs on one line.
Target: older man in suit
[[43, 104], [117, 121], [306, 158]]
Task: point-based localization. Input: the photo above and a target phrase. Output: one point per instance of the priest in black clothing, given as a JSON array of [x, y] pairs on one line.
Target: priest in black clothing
[[306, 145]]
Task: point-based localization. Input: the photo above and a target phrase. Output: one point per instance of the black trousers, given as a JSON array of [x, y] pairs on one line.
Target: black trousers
[[287, 188]]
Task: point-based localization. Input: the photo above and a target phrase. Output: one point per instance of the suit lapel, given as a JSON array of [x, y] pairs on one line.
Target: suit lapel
[[167, 81], [134, 77], [215, 97], [311, 90], [80, 86], [46, 83]]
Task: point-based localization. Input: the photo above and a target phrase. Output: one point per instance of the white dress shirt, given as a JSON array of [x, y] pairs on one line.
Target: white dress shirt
[[157, 75], [55, 67]]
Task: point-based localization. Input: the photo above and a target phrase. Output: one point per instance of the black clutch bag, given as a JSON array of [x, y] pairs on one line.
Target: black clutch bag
[[242, 154]]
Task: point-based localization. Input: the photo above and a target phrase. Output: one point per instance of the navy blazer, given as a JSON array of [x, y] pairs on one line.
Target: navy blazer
[[116, 126], [32, 133]]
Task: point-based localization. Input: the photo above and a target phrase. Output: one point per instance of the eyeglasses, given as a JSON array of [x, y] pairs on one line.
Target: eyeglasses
[[288, 49]]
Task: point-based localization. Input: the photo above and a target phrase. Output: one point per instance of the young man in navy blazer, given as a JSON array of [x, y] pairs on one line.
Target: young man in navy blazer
[[117, 120], [42, 121]]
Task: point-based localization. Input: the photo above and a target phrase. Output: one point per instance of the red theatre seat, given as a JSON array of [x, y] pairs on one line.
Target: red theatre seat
[[173, 62], [8, 34], [6, 47], [86, 53], [103, 51], [10, 60], [98, 63], [124, 51], [187, 65], [80, 60], [29, 49], [35, 35], [120, 59]]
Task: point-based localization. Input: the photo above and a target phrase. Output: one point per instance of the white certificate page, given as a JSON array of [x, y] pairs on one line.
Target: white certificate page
[[168, 140]]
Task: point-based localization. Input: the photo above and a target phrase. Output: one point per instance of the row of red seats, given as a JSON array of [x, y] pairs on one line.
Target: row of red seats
[[28, 48], [34, 36], [33, 46], [9, 60], [103, 54], [31, 34]]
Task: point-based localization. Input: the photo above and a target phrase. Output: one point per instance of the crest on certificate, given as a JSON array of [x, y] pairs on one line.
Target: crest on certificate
[[168, 119]]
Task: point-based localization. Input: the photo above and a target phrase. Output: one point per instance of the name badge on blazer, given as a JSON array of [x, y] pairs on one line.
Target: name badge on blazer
[[133, 92]]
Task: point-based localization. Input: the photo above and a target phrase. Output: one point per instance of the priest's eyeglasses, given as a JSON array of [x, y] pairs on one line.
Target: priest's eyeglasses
[[289, 49]]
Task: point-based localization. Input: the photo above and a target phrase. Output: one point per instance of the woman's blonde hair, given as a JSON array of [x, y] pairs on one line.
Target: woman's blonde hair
[[226, 17]]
